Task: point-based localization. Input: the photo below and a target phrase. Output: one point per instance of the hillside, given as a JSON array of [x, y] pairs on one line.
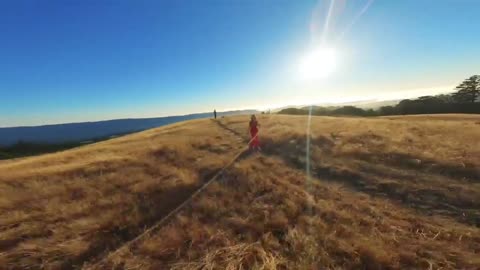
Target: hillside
[[78, 132], [381, 193]]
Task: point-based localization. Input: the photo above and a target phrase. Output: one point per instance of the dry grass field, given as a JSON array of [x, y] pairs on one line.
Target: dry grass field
[[60, 210], [379, 193]]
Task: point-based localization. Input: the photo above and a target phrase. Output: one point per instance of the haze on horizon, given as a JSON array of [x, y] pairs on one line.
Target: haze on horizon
[[72, 61]]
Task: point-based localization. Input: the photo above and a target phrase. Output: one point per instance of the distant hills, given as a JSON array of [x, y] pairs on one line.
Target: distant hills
[[75, 132], [370, 104], [364, 104]]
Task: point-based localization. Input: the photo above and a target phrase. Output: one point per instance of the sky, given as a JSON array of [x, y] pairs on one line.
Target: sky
[[87, 60]]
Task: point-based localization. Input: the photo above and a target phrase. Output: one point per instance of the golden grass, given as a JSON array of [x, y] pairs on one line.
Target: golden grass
[[267, 216], [60, 210], [384, 193]]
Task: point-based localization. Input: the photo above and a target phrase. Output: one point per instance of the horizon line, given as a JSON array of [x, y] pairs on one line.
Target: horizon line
[[415, 93]]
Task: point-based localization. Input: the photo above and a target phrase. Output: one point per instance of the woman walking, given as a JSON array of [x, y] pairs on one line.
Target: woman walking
[[254, 142]]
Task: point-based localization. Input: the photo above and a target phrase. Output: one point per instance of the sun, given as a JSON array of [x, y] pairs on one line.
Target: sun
[[318, 63]]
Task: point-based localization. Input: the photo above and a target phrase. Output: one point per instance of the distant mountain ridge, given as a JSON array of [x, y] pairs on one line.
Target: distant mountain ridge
[[74, 132], [370, 104], [364, 104]]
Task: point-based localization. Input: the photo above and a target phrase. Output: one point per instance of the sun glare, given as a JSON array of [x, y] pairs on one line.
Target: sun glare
[[318, 64]]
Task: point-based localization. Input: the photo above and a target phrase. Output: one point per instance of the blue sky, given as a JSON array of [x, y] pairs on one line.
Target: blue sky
[[71, 60]]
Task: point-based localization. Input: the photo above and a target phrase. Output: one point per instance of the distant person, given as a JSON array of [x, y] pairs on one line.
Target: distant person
[[215, 114], [253, 125]]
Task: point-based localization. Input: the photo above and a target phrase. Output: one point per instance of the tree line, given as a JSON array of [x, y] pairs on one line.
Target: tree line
[[466, 99]]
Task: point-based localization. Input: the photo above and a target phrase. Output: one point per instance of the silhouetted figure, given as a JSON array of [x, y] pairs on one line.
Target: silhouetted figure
[[215, 114], [254, 142]]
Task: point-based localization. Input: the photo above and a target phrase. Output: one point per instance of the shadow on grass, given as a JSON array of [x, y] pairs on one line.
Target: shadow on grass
[[375, 182], [151, 206], [405, 161]]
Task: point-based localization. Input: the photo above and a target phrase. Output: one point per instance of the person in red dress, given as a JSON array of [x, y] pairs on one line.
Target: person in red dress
[[254, 142]]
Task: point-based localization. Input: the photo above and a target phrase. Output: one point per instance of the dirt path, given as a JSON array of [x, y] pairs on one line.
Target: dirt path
[[242, 153]]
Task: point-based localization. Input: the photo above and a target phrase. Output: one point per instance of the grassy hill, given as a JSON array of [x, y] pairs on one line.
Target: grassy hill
[[380, 193]]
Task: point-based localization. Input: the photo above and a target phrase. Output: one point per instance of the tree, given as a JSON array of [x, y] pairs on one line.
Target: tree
[[294, 111], [387, 110], [349, 110], [445, 98], [406, 106], [370, 112], [468, 90]]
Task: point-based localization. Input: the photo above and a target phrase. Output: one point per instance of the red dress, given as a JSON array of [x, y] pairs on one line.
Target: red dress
[[254, 142]]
